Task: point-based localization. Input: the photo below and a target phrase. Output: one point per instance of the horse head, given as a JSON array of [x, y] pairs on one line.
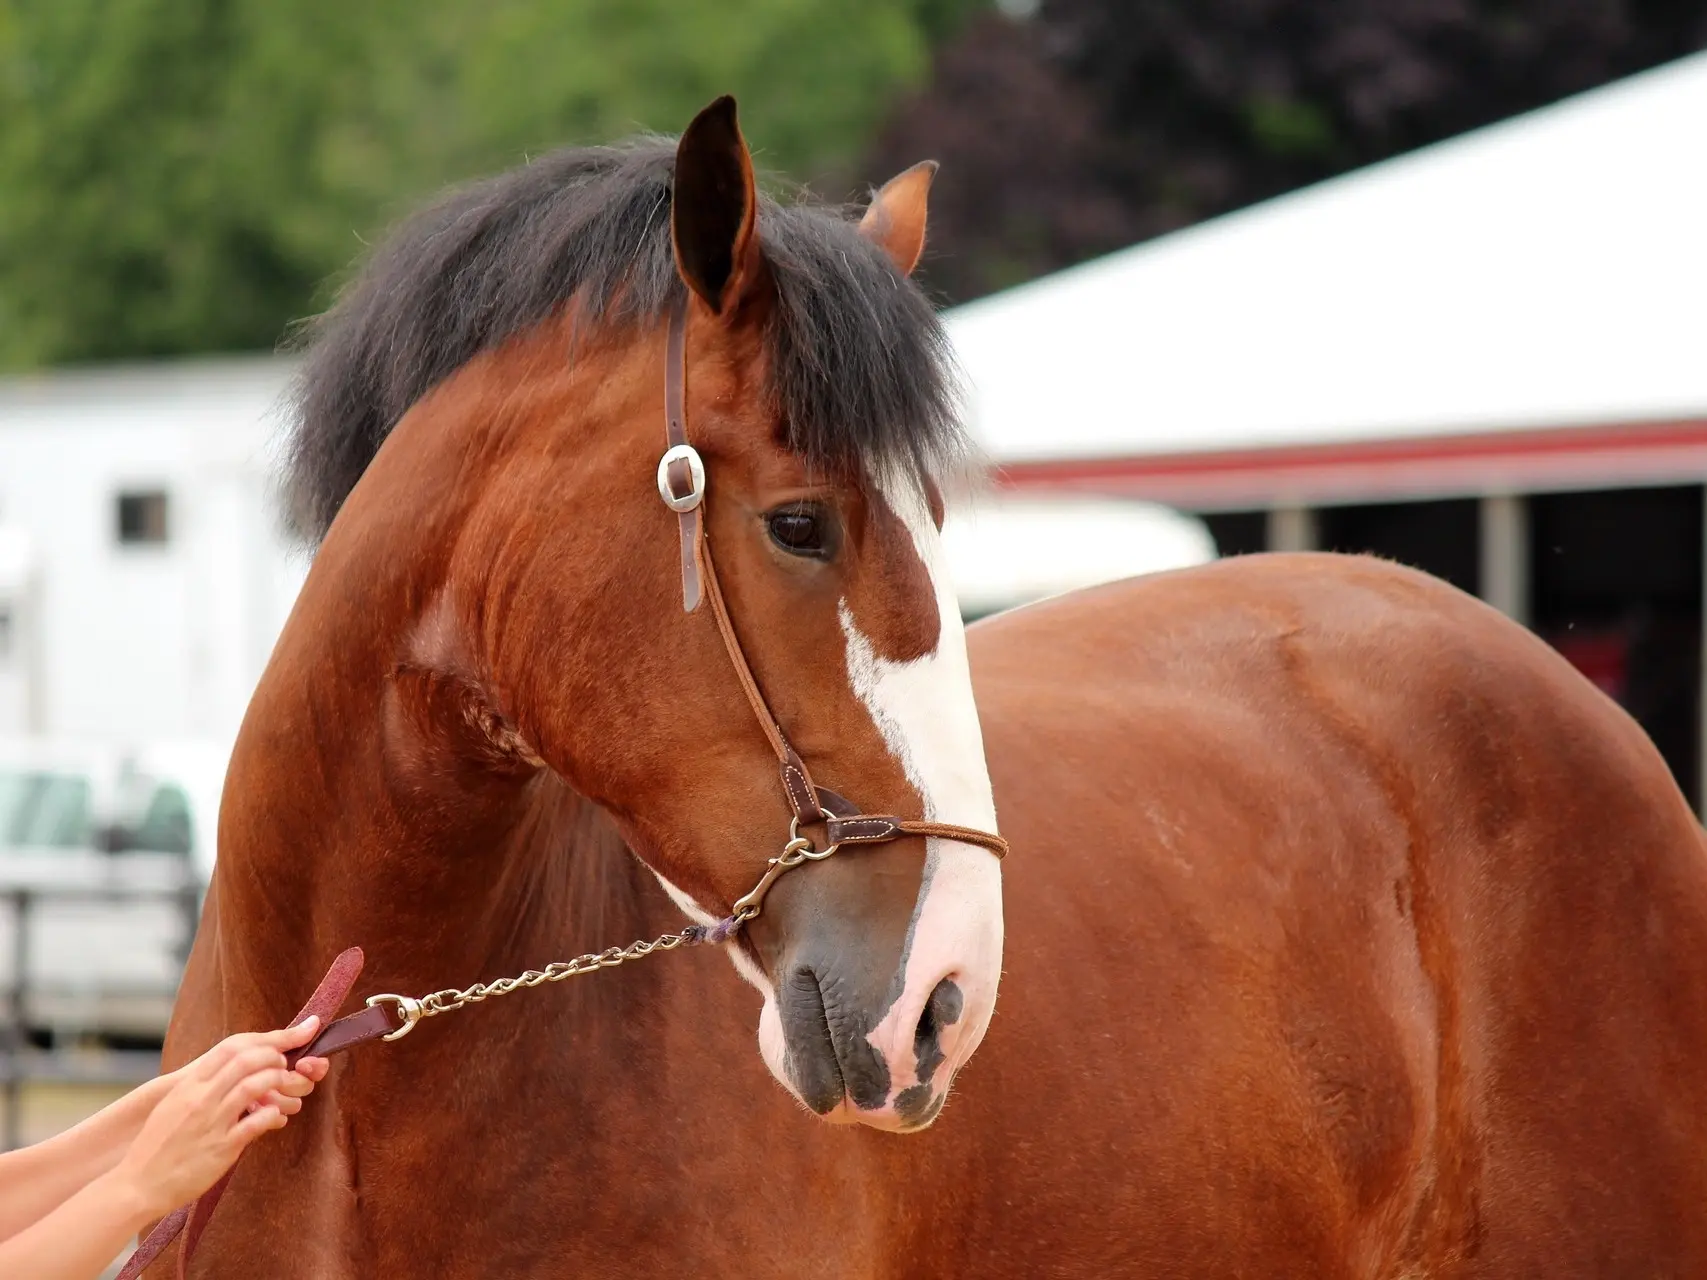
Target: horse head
[[494, 387]]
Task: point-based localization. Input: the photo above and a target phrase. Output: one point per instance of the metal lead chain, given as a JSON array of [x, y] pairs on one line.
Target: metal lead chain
[[410, 1010]]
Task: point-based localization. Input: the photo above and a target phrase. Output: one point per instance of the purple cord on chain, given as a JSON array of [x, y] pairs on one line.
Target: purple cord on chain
[[721, 932]]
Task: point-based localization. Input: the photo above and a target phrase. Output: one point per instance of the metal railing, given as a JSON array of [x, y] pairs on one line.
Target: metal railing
[[30, 1001]]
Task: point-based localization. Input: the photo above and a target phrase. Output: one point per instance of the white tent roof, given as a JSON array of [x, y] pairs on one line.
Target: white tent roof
[[1549, 271], [16, 560], [1004, 551]]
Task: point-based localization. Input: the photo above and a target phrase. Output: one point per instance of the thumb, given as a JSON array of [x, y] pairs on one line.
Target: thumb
[[297, 1036]]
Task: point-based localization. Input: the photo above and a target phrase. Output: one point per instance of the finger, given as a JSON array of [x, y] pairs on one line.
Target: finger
[[298, 1086], [238, 1042], [314, 1068], [232, 1093], [253, 1126], [244, 1048], [210, 1063], [294, 1037], [254, 1088], [302, 1082], [207, 1066], [243, 1065], [290, 1104]]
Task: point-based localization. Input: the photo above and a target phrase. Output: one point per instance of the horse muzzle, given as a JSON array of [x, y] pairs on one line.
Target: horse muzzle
[[862, 1041]]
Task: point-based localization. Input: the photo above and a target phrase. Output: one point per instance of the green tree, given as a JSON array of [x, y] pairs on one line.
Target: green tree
[[185, 175]]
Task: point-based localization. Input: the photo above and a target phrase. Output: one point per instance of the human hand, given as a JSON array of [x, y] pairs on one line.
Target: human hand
[[216, 1106], [307, 1073]]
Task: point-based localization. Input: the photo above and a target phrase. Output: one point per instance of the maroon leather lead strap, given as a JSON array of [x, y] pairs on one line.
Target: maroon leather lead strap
[[165, 1231], [335, 1037]]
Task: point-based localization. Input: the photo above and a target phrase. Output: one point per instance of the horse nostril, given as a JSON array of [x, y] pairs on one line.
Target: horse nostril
[[942, 1009], [926, 1032]]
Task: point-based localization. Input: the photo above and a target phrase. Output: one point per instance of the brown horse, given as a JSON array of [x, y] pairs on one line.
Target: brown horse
[[1349, 933]]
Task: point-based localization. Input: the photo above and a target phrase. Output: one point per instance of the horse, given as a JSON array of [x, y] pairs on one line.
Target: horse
[[1348, 932]]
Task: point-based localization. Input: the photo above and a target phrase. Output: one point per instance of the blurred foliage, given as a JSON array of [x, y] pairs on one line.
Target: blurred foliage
[[185, 175], [192, 175], [1081, 126]]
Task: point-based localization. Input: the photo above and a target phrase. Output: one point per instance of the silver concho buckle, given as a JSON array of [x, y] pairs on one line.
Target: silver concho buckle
[[696, 474]]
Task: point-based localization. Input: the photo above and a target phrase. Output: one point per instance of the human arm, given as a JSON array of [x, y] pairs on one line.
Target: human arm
[[36, 1180], [77, 1240], [194, 1124]]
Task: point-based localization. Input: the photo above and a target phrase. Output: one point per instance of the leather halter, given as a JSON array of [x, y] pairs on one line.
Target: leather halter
[[682, 485]]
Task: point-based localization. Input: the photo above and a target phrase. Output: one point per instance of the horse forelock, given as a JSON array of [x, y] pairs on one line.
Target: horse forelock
[[860, 374]]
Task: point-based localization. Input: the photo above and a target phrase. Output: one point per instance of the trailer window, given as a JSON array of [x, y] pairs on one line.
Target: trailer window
[[142, 518], [44, 810], [165, 824]]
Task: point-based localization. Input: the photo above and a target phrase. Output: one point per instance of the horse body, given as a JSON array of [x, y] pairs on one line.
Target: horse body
[[1355, 934], [1348, 933]]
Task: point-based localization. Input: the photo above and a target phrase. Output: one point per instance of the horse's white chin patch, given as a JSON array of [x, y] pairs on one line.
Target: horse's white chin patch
[[773, 1046], [699, 915]]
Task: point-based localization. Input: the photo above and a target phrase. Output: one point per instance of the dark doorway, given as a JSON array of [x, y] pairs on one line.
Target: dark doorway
[[1238, 533], [1616, 581], [142, 518], [1443, 538]]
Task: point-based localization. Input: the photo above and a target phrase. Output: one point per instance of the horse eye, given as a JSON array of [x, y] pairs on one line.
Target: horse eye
[[803, 529]]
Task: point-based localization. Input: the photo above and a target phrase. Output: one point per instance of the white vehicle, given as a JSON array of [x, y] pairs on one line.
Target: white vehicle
[[104, 853], [1005, 550]]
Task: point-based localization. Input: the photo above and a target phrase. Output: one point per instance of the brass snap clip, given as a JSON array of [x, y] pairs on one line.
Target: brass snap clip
[[408, 1013], [798, 850]]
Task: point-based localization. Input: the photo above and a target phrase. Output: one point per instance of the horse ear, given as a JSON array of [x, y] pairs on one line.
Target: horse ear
[[714, 208], [896, 219]]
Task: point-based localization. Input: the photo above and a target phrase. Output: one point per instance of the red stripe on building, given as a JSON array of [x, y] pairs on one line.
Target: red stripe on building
[[1377, 470]]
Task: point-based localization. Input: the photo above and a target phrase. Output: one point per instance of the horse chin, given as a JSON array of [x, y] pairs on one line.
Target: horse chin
[[842, 1114], [886, 1120], [773, 1045], [773, 1048], [891, 1118]]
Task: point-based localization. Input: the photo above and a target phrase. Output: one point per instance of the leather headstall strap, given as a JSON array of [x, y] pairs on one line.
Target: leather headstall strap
[[810, 803], [681, 474], [372, 1023]]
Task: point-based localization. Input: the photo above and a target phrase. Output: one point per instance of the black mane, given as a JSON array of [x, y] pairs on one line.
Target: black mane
[[860, 366]]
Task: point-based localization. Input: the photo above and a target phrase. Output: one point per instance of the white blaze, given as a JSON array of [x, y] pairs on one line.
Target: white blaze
[[927, 717], [925, 711]]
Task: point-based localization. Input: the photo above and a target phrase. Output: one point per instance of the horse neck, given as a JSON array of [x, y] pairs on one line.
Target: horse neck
[[370, 804], [377, 796]]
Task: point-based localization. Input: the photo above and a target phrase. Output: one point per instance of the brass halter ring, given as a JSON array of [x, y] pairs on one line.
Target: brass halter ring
[[808, 854]]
